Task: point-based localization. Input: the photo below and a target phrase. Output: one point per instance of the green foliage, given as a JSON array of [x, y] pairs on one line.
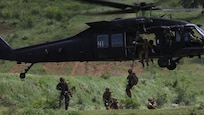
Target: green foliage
[[26, 22], [130, 103], [161, 99], [193, 112], [105, 76], [170, 3], [11, 111], [51, 20], [54, 13], [191, 4], [184, 94]]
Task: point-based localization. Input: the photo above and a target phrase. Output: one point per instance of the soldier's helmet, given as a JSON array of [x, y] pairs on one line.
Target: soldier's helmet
[[150, 99], [61, 79], [130, 71], [115, 99], [107, 88]]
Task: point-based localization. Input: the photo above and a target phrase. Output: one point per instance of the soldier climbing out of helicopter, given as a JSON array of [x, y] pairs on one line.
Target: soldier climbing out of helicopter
[[143, 50]]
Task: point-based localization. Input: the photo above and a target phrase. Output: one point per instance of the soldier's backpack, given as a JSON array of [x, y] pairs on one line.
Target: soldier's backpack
[[134, 79]]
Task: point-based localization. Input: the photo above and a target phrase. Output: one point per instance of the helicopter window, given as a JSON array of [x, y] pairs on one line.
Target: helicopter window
[[117, 40], [178, 36], [102, 41], [192, 36]]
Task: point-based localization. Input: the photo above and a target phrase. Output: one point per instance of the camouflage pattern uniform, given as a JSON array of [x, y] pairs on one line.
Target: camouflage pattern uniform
[[144, 51], [115, 104], [132, 80], [151, 104], [65, 92], [107, 98]]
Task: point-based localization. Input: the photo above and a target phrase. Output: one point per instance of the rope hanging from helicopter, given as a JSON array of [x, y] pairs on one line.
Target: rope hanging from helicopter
[[137, 36], [134, 49]]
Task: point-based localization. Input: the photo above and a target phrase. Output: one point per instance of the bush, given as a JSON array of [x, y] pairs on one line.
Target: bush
[[105, 76], [193, 112], [54, 13], [184, 94], [35, 10], [130, 103], [26, 22], [161, 99]]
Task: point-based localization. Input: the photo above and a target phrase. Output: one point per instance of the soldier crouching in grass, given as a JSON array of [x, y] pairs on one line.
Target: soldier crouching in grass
[[151, 104], [65, 92], [115, 104]]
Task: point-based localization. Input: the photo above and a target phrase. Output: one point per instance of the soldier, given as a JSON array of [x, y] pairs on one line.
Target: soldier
[[132, 80], [169, 36], [143, 51], [151, 104], [107, 98], [152, 49], [65, 92], [115, 104]]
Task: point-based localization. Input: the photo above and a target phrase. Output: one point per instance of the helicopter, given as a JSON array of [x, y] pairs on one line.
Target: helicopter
[[112, 40]]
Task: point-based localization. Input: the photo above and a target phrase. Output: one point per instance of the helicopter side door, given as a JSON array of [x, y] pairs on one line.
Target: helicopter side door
[[110, 46]]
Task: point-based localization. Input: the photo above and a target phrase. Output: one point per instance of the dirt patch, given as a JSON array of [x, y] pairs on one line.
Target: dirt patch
[[18, 67], [92, 68]]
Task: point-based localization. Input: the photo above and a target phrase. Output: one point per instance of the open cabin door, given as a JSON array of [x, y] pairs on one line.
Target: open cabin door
[[110, 46]]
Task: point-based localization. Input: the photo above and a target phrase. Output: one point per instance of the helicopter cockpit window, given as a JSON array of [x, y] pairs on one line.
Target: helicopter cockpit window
[[117, 40], [193, 36], [102, 41]]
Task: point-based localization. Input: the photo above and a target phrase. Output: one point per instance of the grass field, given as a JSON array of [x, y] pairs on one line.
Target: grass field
[[178, 92]]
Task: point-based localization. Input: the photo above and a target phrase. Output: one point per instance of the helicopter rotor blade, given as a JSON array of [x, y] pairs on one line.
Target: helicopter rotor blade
[[108, 3], [123, 8], [113, 12], [181, 9]]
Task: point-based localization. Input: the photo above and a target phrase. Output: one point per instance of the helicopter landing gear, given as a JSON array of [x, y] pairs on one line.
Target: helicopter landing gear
[[23, 75], [163, 62], [167, 62], [171, 64]]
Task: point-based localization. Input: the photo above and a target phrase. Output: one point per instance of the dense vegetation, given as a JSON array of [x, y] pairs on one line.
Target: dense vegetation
[[27, 22], [175, 91]]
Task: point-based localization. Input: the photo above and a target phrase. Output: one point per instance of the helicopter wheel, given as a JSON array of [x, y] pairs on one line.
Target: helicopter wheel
[[171, 64], [22, 75], [163, 62]]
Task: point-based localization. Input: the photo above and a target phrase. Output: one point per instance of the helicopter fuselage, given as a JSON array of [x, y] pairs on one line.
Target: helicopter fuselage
[[109, 41]]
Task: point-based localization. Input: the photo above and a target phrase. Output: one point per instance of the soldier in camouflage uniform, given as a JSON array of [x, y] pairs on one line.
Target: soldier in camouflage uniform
[[115, 104], [151, 104], [65, 92], [132, 80], [107, 98]]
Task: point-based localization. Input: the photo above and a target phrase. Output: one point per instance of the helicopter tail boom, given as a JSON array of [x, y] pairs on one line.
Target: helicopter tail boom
[[5, 49]]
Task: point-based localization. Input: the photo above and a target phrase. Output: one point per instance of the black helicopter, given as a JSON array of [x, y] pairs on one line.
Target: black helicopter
[[112, 40]]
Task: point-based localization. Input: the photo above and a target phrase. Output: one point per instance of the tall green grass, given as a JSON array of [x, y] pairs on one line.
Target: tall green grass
[[179, 88], [41, 21]]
